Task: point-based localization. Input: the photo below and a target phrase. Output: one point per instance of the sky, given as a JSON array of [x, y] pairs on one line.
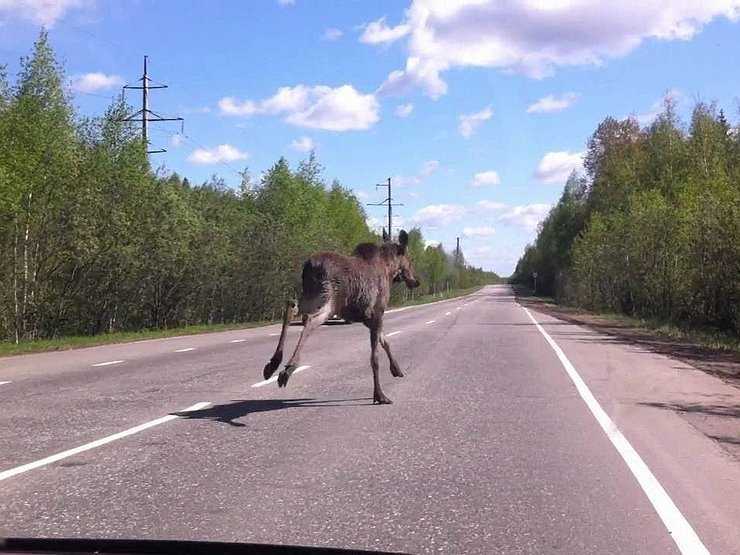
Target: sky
[[478, 110]]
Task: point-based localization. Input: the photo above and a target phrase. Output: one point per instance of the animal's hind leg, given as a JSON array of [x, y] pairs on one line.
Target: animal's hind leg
[[277, 358], [395, 370], [310, 323]]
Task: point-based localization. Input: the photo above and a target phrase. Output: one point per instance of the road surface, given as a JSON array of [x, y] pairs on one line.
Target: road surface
[[512, 432]]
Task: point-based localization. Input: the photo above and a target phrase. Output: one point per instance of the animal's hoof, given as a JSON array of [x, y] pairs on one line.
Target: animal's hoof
[[382, 400], [270, 368], [283, 379], [397, 373]]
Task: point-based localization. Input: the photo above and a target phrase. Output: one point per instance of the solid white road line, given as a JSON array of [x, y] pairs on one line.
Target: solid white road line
[[392, 333], [430, 322], [3, 383], [275, 377], [108, 363], [82, 448], [185, 350], [237, 341], [678, 527]]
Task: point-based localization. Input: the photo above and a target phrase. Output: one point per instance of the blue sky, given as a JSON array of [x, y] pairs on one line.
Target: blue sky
[[477, 109]]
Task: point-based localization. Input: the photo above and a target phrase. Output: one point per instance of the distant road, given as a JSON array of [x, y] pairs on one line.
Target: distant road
[[512, 432]]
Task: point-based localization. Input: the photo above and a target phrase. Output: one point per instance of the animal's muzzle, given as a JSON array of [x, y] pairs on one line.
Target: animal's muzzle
[[412, 283]]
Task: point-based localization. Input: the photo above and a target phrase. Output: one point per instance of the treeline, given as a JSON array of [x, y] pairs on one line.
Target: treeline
[[92, 240], [653, 228]]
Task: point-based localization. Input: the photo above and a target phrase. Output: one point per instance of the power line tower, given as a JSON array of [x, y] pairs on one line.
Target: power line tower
[[145, 115], [389, 203]]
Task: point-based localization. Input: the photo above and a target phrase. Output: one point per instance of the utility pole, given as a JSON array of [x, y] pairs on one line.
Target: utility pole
[[457, 252], [389, 203], [145, 115]]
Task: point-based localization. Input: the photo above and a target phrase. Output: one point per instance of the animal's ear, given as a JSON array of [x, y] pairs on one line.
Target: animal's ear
[[386, 238], [403, 238]]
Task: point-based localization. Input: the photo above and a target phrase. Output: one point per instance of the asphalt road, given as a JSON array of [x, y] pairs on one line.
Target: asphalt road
[[492, 444]]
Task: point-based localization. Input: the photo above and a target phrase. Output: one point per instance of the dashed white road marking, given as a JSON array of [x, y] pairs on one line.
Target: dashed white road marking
[[237, 341], [678, 527], [448, 313], [4, 475], [185, 350], [275, 377], [4, 383], [109, 363], [430, 322], [392, 333], [459, 308], [273, 334]]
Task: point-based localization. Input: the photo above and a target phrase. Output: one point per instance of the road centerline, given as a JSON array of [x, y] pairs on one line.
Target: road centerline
[[678, 527], [430, 322], [108, 363], [185, 350], [237, 341], [4, 475], [5, 382], [392, 333]]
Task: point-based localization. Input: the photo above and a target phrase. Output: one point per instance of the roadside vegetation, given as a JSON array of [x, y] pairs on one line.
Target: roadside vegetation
[[93, 241], [652, 230]]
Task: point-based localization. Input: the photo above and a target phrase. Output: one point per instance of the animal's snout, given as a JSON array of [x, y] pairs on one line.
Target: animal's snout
[[412, 283]]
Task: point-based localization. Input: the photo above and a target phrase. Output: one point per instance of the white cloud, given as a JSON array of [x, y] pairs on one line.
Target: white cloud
[[41, 12], [483, 179], [470, 122], [672, 95], [230, 106], [535, 38], [489, 206], [318, 107], [177, 140], [377, 32], [427, 168], [217, 155], [95, 81], [555, 167], [404, 110], [332, 33], [431, 243], [552, 103], [436, 215], [482, 231], [303, 144], [527, 216]]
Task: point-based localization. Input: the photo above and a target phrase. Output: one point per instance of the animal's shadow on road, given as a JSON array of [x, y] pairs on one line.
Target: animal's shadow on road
[[227, 413]]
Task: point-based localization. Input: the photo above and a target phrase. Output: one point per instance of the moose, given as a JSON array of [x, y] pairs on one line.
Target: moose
[[357, 288]]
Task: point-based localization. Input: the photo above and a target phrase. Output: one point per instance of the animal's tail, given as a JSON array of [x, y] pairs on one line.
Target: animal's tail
[[277, 358], [314, 286]]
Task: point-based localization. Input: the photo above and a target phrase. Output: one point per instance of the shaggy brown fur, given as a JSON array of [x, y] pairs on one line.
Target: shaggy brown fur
[[355, 287]]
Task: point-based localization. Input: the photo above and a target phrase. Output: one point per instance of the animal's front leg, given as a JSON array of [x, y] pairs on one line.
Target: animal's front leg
[[311, 322], [378, 395]]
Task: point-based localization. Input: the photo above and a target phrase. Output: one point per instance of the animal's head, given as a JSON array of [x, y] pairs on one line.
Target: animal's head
[[403, 269]]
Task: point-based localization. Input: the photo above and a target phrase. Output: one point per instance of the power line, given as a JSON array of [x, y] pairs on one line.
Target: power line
[[388, 202], [145, 115]]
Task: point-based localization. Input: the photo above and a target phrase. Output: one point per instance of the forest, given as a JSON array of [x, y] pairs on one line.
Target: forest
[[94, 240], [652, 227]]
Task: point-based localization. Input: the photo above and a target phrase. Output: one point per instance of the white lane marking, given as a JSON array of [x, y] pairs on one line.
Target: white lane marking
[[427, 304], [273, 334], [237, 341], [448, 313], [678, 527], [459, 308], [430, 322], [108, 363], [275, 377], [392, 333], [3, 383], [185, 350], [92, 445]]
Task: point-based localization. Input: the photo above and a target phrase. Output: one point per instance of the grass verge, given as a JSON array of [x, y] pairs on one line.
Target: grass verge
[[80, 341]]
